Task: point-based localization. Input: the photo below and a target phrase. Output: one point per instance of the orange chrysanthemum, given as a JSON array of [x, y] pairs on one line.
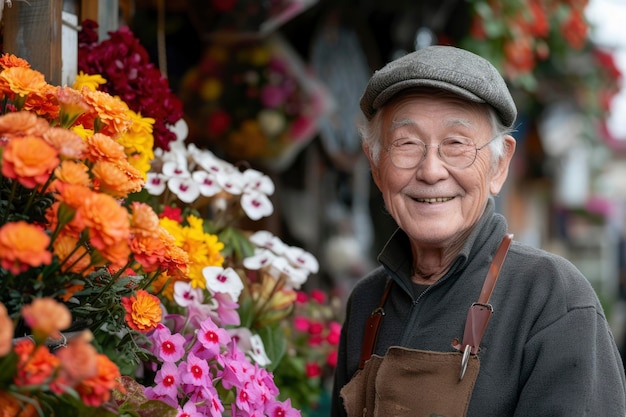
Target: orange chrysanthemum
[[29, 160], [11, 407], [110, 111], [117, 178], [22, 81], [68, 143], [8, 60], [78, 362], [108, 222], [22, 123], [36, 365], [117, 254], [23, 245], [46, 318], [6, 331], [73, 258], [143, 311], [102, 148], [144, 221], [73, 172], [96, 390]]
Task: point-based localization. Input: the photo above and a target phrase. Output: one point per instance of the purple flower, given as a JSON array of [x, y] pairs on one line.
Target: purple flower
[[167, 347], [167, 381]]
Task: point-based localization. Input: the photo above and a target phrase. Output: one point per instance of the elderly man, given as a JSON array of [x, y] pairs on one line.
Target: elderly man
[[459, 320]]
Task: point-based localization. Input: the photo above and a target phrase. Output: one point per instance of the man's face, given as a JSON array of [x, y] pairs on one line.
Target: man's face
[[434, 203]]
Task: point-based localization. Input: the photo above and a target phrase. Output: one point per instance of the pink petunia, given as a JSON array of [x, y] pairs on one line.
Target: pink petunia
[[212, 337], [167, 346], [195, 371]]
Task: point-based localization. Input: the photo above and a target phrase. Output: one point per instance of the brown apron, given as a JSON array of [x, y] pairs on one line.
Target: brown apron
[[418, 383]]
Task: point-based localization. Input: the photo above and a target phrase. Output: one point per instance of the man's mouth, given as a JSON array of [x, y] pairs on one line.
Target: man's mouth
[[434, 200]]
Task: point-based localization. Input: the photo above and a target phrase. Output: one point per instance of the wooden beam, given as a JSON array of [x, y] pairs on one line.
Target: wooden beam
[[33, 31]]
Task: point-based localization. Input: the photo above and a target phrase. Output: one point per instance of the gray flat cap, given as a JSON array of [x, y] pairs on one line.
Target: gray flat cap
[[445, 67]]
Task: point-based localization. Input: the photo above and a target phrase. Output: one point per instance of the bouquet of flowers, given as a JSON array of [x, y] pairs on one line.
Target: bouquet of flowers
[[253, 101]]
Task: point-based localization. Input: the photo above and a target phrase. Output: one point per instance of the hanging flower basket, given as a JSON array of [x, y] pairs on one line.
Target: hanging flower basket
[[253, 101]]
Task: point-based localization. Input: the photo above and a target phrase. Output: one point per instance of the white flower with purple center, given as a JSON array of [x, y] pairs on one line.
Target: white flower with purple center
[[185, 294], [267, 240], [223, 280]]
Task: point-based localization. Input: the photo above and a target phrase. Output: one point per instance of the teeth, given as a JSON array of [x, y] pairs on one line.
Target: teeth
[[434, 200]]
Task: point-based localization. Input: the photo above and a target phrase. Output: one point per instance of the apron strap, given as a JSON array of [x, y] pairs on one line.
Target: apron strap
[[480, 312], [371, 327]]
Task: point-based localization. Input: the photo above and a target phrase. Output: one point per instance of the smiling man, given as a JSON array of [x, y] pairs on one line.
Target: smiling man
[[429, 333]]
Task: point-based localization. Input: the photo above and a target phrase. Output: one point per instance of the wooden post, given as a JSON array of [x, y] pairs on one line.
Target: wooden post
[[33, 31], [105, 12]]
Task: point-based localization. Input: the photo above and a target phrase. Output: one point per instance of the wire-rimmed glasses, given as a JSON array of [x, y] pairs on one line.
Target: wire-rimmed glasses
[[456, 151]]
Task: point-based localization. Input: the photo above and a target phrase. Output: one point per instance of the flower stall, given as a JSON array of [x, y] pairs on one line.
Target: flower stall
[[131, 283]]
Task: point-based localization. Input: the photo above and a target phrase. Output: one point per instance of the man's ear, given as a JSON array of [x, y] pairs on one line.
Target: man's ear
[[502, 169], [373, 165]]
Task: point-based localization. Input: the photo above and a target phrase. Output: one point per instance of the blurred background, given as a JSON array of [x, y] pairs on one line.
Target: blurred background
[[563, 60]]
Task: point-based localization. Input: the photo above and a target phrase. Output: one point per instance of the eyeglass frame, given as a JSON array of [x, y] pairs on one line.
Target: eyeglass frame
[[438, 146]]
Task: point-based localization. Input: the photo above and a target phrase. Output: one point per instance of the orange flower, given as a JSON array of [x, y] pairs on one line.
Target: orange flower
[[143, 311], [11, 407], [29, 160], [9, 60], [23, 245], [110, 111], [22, 81], [68, 143], [46, 318], [103, 148], [117, 178], [78, 361], [72, 172], [108, 222], [6, 331], [144, 221], [36, 365], [22, 123], [117, 253], [73, 258], [72, 105], [96, 390]]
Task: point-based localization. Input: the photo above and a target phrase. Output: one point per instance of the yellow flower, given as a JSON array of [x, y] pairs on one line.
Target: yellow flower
[[91, 82], [211, 89]]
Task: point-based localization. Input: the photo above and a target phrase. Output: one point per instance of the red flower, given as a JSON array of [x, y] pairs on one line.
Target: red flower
[[313, 370]]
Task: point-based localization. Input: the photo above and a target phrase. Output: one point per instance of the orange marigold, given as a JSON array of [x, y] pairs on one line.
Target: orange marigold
[[117, 178], [36, 365], [8, 60], [29, 160], [22, 81], [107, 220], [110, 111], [143, 311], [68, 143], [73, 172], [103, 148], [96, 390], [144, 221], [22, 123], [23, 245], [78, 361], [11, 407], [46, 318], [73, 258]]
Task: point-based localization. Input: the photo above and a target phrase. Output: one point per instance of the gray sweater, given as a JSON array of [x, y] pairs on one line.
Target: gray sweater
[[547, 351]]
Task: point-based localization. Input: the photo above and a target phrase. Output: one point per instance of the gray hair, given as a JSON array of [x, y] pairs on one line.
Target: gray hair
[[371, 131]]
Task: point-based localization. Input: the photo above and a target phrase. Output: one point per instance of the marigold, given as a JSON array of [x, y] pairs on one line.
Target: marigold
[[88, 81], [8, 60], [68, 143], [73, 172], [143, 311], [46, 318], [96, 390], [22, 81], [22, 123], [111, 112], [117, 178], [144, 221], [103, 148], [36, 365], [29, 160], [78, 361], [11, 407], [73, 258], [23, 245], [108, 222], [71, 106]]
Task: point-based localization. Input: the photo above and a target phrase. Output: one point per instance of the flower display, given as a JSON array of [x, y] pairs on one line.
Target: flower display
[[253, 102], [518, 36], [128, 281], [129, 74]]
